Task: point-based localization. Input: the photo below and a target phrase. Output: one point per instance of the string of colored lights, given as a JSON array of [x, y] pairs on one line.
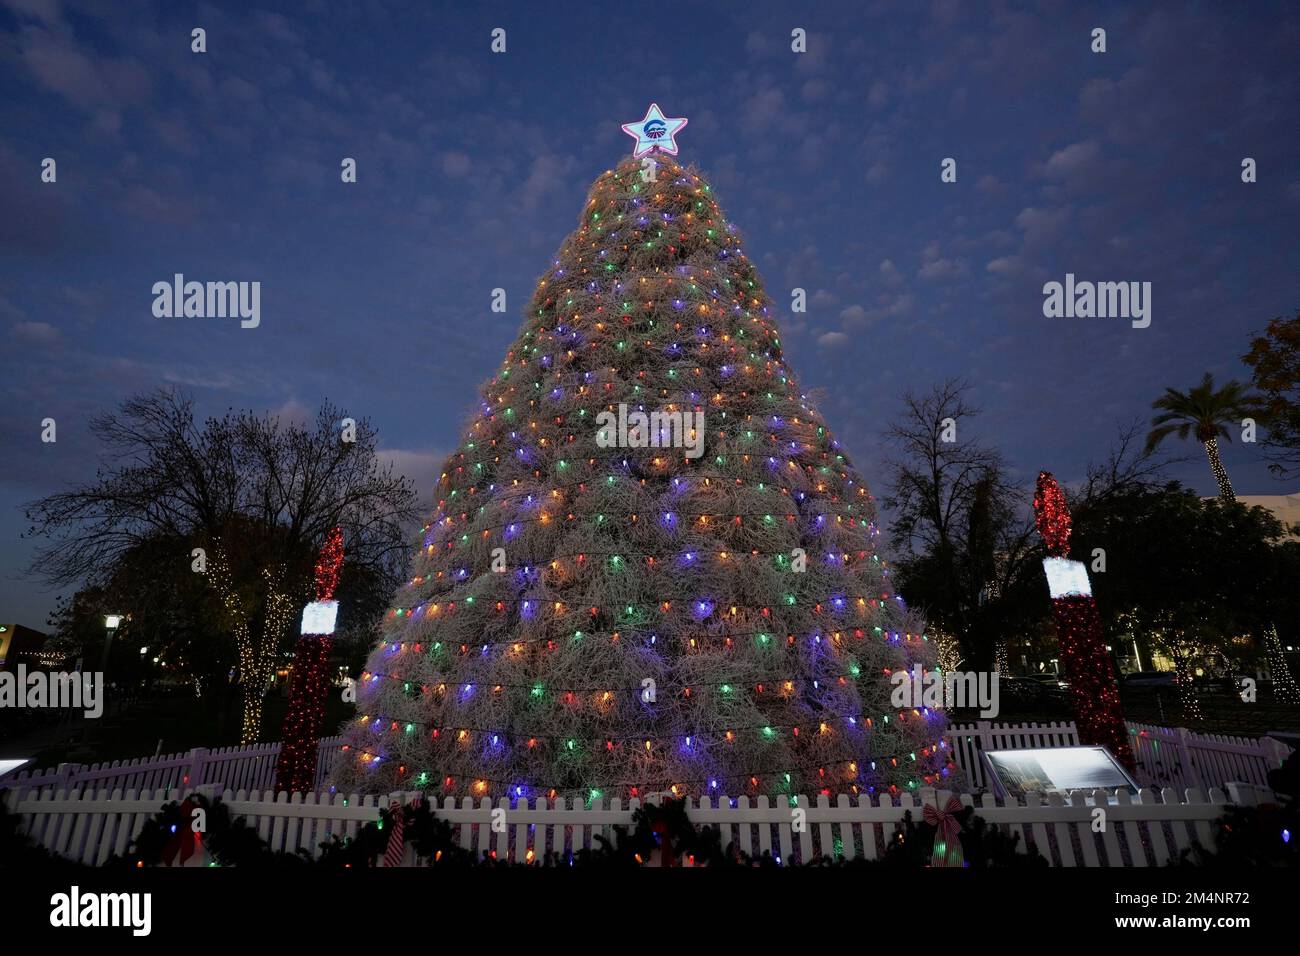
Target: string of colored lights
[[712, 784], [505, 499], [766, 730], [731, 516], [573, 439], [659, 462], [440, 683], [701, 608], [529, 565], [392, 646]]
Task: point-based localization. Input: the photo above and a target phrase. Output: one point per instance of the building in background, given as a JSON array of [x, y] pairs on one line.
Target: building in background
[[19, 644], [1286, 508]]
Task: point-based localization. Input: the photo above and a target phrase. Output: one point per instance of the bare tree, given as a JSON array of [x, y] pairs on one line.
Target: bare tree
[[257, 495], [1129, 466], [936, 472], [961, 525]]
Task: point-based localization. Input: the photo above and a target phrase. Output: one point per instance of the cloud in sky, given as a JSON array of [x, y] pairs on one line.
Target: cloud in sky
[[1073, 160], [36, 333]]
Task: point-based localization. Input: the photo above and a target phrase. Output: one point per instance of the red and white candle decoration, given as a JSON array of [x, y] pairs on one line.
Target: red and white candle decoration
[[1094, 691], [309, 683]]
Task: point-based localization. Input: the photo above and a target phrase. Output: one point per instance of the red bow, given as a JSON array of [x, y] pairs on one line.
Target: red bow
[[666, 855], [947, 841], [184, 842]]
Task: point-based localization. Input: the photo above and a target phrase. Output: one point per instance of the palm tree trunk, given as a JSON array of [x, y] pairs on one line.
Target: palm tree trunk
[[1226, 494]]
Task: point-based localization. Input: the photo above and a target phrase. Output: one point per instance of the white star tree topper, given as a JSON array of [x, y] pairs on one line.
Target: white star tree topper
[[655, 132]]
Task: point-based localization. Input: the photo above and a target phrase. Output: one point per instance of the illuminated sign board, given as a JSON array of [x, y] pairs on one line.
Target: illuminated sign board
[[318, 617], [1066, 578]]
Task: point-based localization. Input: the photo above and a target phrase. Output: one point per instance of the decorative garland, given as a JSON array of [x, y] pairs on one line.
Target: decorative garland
[[168, 839], [661, 834]]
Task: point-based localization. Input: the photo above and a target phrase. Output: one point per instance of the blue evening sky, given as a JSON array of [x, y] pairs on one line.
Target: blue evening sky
[[473, 166]]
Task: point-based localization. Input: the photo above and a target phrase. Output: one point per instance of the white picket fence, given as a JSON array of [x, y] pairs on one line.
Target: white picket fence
[[1148, 830], [249, 768], [1179, 758], [1166, 757]]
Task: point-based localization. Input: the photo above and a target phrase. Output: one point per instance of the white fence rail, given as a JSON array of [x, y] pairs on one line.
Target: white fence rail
[[1177, 757], [1166, 757], [1147, 830], [229, 768]]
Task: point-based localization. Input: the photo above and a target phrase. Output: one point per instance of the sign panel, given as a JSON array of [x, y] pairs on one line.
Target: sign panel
[[1066, 578], [318, 617], [1056, 770], [8, 766]]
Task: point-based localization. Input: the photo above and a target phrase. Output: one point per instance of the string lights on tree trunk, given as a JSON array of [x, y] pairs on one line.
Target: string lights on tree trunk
[[256, 655], [1226, 494], [1284, 685]]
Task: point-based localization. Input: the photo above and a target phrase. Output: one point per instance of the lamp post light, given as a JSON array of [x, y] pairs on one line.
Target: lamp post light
[[111, 623]]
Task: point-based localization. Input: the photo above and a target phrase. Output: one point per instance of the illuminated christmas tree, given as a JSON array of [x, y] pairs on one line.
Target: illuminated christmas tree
[[610, 607]]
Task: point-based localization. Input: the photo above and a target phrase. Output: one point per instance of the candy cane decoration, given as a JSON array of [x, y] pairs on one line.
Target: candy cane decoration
[[396, 841]]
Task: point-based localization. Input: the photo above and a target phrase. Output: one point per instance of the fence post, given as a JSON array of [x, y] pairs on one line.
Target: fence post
[[194, 775], [1273, 751], [63, 776], [1243, 794], [324, 752], [1185, 752]]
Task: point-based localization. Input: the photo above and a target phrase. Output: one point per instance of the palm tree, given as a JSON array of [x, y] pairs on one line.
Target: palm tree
[[1207, 412]]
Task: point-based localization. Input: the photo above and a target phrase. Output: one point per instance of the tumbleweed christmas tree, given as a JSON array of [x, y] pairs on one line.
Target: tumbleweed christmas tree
[[616, 621]]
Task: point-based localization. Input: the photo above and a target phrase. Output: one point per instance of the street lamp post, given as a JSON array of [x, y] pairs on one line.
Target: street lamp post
[[111, 623]]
